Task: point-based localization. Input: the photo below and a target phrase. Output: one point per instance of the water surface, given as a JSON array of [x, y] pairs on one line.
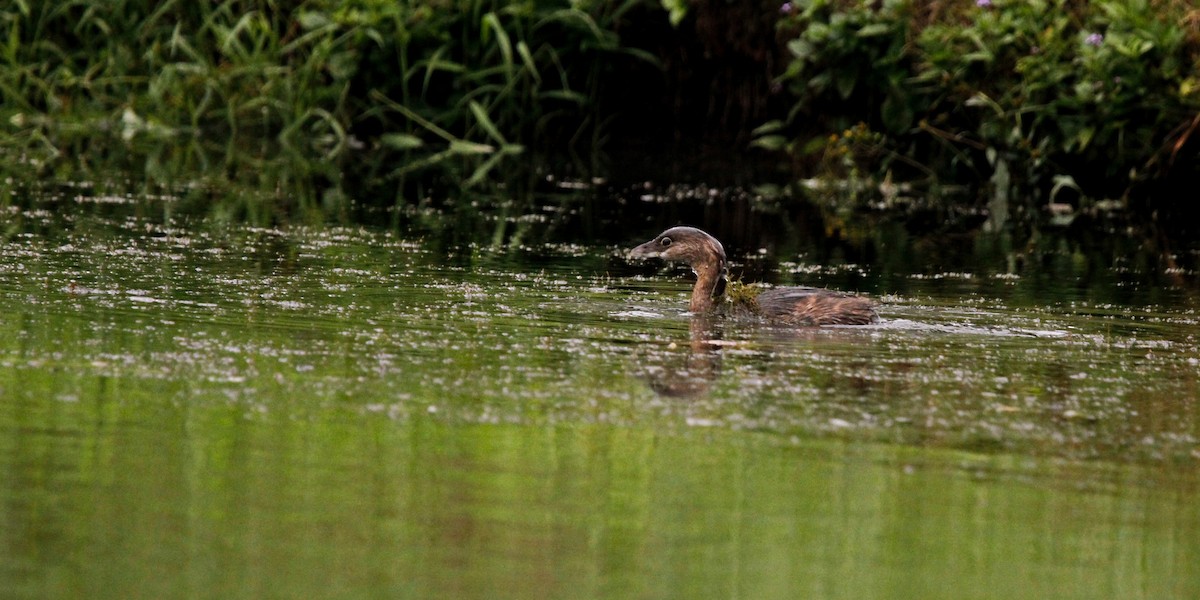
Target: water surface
[[191, 409]]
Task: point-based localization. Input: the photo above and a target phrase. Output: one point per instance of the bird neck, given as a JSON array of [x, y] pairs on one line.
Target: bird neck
[[709, 288]]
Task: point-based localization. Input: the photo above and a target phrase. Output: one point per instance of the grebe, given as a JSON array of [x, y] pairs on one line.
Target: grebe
[[789, 305]]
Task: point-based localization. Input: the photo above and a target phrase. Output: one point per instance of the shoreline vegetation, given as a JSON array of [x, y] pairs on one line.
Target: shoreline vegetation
[[1028, 111]]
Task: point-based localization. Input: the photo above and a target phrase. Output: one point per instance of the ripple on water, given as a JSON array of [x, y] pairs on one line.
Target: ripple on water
[[968, 328]]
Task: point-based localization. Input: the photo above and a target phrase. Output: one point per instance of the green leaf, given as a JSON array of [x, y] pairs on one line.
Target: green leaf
[[820, 82], [897, 115], [437, 63], [527, 58], [874, 30], [492, 22], [313, 20], [464, 147], [417, 165], [576, 16], [342, 65], [401, 141], [676, 10], [814, 146], [982, 99], [801, 49], [568, 95], [1085, 136], [770, 142], [412, 115], [486, 122], [483, 169], [845, 82], [768, 127], [642, 55]]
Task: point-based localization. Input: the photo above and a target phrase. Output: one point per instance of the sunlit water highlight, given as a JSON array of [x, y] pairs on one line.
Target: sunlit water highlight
[[244, 412]]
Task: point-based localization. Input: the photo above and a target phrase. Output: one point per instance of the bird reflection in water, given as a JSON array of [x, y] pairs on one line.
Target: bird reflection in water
[[691, 372]]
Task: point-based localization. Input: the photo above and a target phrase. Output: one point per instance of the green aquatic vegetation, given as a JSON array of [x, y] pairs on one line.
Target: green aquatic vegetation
[[742, 295]]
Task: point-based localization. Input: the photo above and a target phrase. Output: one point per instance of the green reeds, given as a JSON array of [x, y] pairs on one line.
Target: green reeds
[[451, 89], [518, 79]]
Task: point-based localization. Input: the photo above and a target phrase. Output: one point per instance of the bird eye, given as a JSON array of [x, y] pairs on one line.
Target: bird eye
[[666, 241]]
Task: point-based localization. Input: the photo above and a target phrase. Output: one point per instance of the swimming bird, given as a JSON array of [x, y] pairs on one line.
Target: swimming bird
[[801, 306]]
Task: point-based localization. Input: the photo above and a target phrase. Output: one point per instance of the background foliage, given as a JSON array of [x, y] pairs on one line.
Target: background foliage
[[1045, 100], [1036, 96], [451, 86]]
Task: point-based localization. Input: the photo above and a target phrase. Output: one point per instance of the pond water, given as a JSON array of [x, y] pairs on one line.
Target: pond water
[[190, 408]]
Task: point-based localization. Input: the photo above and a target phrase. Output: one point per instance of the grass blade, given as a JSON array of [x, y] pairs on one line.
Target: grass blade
[[486, 122]]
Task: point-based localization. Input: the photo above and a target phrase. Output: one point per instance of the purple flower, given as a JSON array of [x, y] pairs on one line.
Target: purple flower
[[786, 8], [1094, 39], [983, 3]]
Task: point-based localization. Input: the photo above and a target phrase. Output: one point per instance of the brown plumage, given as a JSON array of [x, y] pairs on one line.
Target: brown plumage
[[791, 305]]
